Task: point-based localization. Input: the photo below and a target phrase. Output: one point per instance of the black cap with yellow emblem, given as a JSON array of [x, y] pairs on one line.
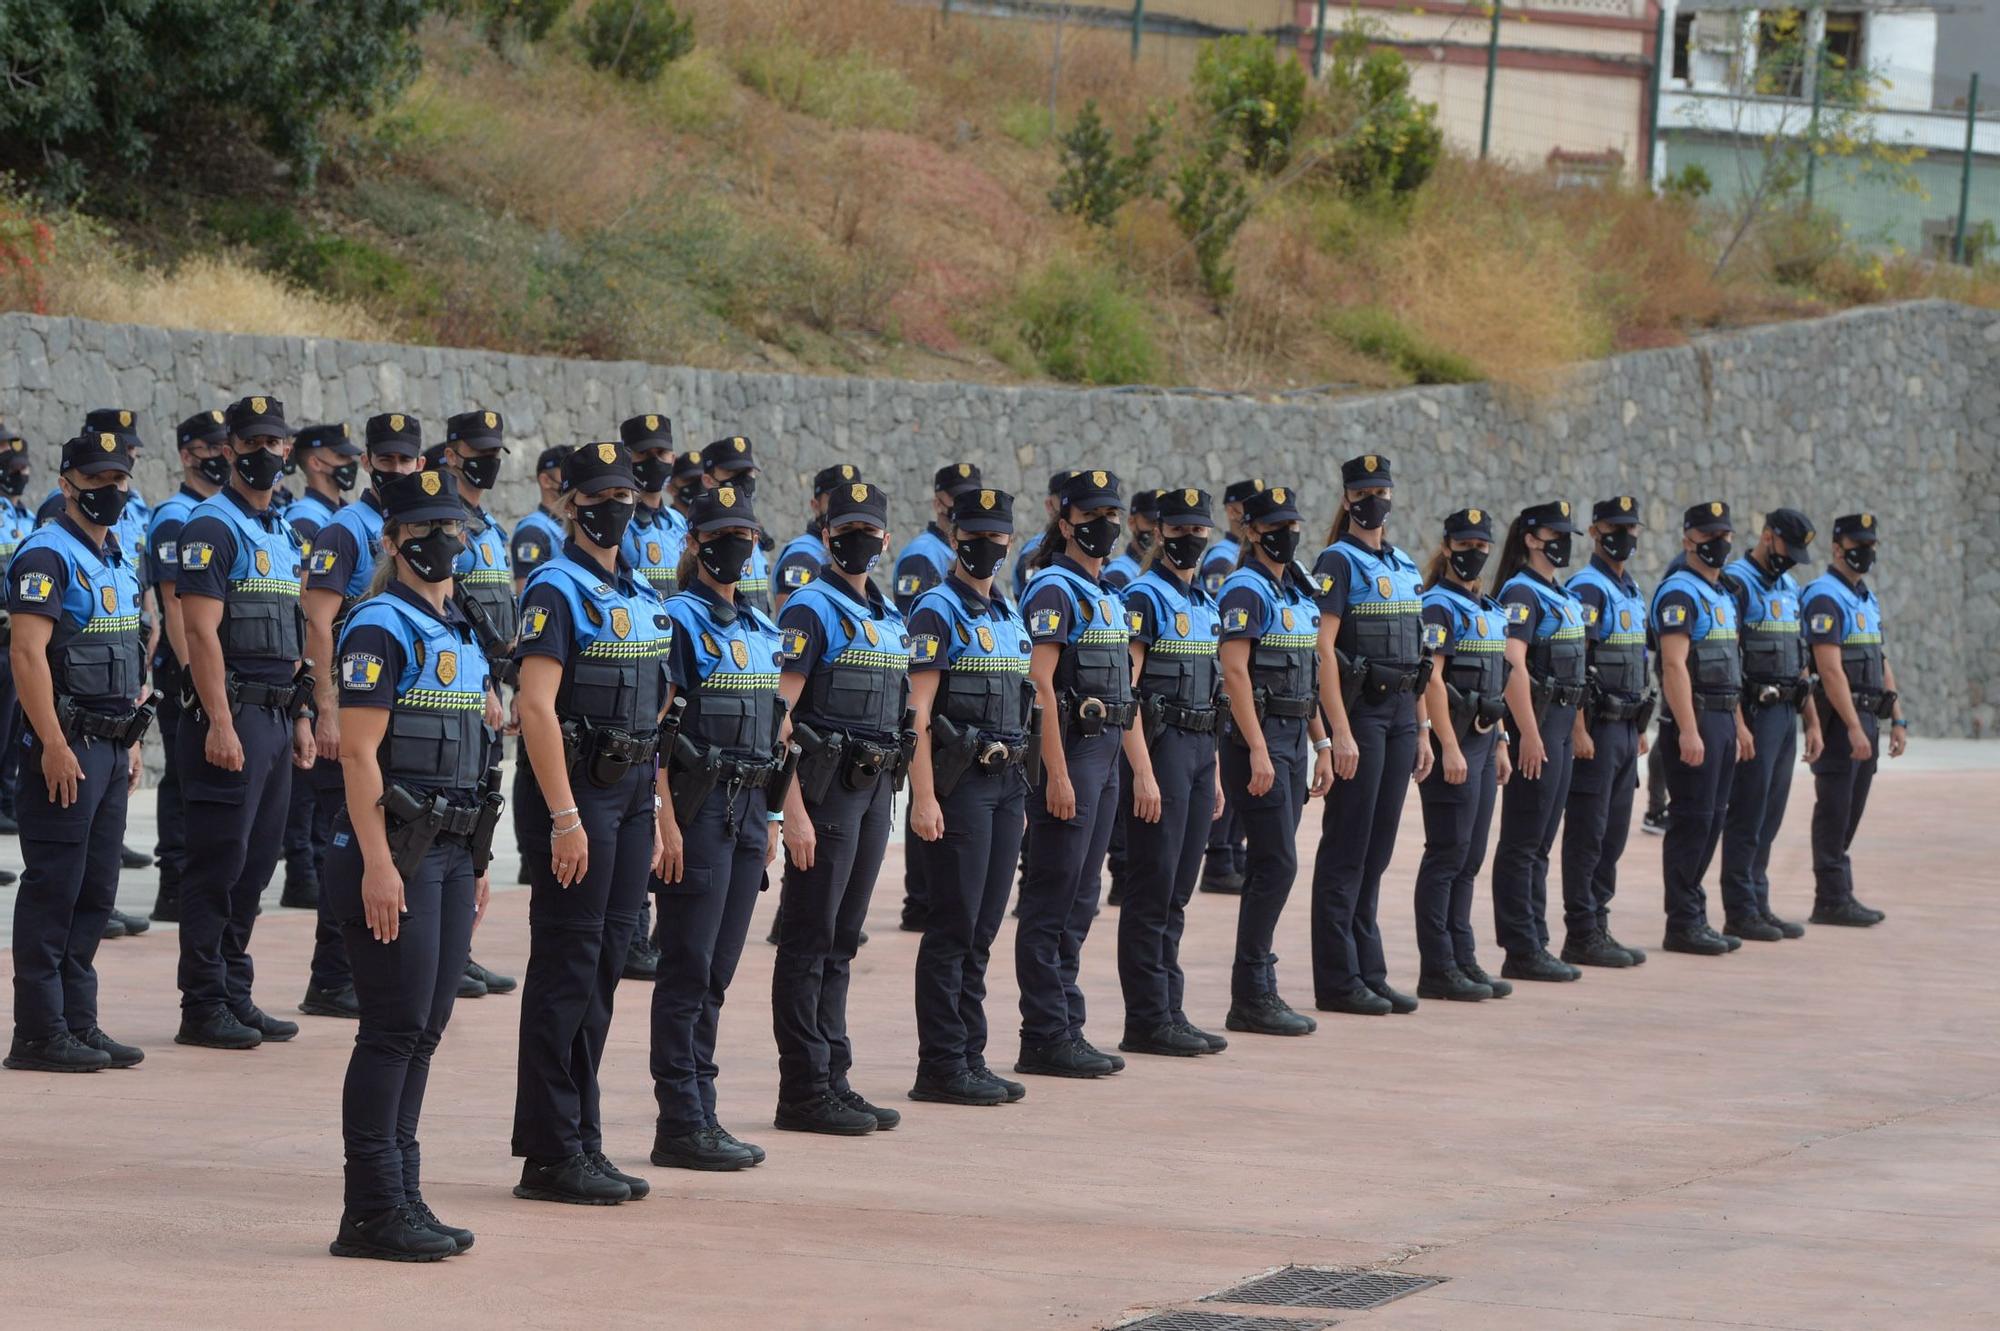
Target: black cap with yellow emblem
[[986, 511], [482, 429], [828, 479], [421, 496], [1794, 531], [13, 448], [1183, 508], [857, 501], [1860, 527], [97, 451], [731, 454], [651, 430], [1057, 479], [955, 476], [1280, 503], [257, 417], [593, 468], [1554, 515], [1091, 489], [1619, 511], [394, 434], [687, 467], [720, 507], [1710, 516], [334, 437], [1365, 472], [551, 458], [1238, 491], [113, 420], [1146, 503], [204, 427], [1469, 524]]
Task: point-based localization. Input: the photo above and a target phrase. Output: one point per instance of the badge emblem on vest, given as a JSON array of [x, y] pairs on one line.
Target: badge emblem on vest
[[739, 653], [262, 559], [447, 667], [621, 621], [1625, 619], [1861, 619], [1285, 617], [1385, 587], [1479, 623], [874, 638], [985, 638], [653, 552], [1181, 623], [109, 596], [486, 554]]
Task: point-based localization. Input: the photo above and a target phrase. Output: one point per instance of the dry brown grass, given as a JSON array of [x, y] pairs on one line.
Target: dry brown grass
[[210, 291]]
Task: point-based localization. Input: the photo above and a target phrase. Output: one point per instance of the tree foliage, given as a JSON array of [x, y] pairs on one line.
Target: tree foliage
[[115, 80], [1097, 179], [634, 39], [1210, 206], [1248, 84], [1390, 142]]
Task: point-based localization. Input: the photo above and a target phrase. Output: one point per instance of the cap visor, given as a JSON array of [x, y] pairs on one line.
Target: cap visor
[[728, 521], [1867, 536], [613, 480], [1083, 503], [1561, 526], [446, 509], [98, 466], [1621, 520], [396, 448], [987, 525], [1795, 552]]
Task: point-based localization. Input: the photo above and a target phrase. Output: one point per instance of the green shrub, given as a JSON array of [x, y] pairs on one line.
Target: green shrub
[[507, 22], [1027, 123], [634, 39], [335, 265], [697, 94], [1210, 206], [1258, 91], [1387, 141], [1374, 331], [1689, 183], [1097, 179], [851, 91], [1077, 324]]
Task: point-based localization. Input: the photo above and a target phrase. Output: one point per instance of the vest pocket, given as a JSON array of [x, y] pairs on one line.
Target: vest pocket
[[260, 626], [605, 694], [90, 670]]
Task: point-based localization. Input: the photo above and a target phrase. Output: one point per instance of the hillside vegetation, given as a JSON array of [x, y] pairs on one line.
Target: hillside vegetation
[[862, 186]]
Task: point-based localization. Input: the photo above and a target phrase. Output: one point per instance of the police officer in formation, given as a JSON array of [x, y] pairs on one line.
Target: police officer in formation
[[539, 536], [402, 874], [1855, 694], [1119, 570], [1777, 686], [971, 705], [1547, 648], [1465, 632], [248, 725], [800, 560], [1226, 860], [592, 691], [1701, 677], [1274, 750], [654, 537], [1025, 554], [1608, 737], [16, 521], [1176, 629], [79, 662], [326, 455], [733, 462], [728, 770], [845, 667], [1372, 672]]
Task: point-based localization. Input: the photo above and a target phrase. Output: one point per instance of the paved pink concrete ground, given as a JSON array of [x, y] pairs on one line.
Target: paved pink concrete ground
[[1802, 1135]]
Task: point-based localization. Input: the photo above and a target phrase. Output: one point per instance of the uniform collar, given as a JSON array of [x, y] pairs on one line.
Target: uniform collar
[[266, 517], [937, 531], [1447, 585], [871, 600], [1550, 583], [645, 516], [108, 552], [403, 592], [575, 554], [723, 612], [1184, 583], [190, 492], [1064, 561], [1603, 565], [1349, 538], [1279, 580], [974, 603]]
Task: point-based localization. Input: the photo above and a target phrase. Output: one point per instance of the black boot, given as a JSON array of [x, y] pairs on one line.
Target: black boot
[[1472, 971], [58, 1053], [216, 1028], [1064, 1058], [959, 1088], [461, 1239], [637, 1186], [1698, 940], [339, 1002], [134, 859], [885, 1119], [275, 1030], [705, 1149], [1754, 929], [167, 905], [1783, 926], [575, 1181], [121, 1055], [495, 982], [825, 1113], [1268, 1014], [471, 986], [1538, 966], [394, 1235], [301, 887], [1168, 1040], [728, 1138], [1358, 1002], [1216, 1043], [1452, 985], [1637, 954], [113, 926], [1219, 878], [1594, 949], [1013, 1090], [1398, 1001], [1847, 913], [134, 924], [1117, 1063]]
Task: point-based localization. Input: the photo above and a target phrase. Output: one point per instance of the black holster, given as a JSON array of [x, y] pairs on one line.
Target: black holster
[[487, 821], [412, 825], [605, 755], [784, 767], [692, 773], [820, 761], [906, 748], [952, 752], [124, 729], [301, 704], [1031, 764]]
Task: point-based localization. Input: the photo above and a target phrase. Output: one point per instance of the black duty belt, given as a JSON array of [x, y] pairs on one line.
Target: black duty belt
[[126, 728], [1609, 707], [1093, 716], [1194, 720], [1775, 693], [994, 756], [1277, 704], [459, 821], [748, 775], [249, 693], [1715, 702], [1550, 694]]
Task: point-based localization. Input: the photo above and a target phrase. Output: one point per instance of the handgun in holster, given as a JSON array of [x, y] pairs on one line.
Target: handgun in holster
[[906, 749], [1152, 718], [6, 629], [1031, 765], [692, 773], [302, 693], [820, 759], [786, 756], [500, 664], [491, 802], [411, 825], [953, 748], [1353, 675]]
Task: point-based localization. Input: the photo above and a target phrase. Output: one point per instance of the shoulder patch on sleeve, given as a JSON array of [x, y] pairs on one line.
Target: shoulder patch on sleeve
[[1673, 615], [1822, 623], [320, 562], [197, 555], [908, 584], [792, 644], [1236, 620], [1590, 615], [359, 670], [1517, 613], [532, 625], [924, 648], [169, 552], [1044, 623], [1325, 581], [1433, 637], [36, 587], [796, 575], [1135, 620]]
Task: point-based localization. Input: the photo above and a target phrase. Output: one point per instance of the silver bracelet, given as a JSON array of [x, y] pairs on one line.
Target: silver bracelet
[[1322, 745], [559, 813]]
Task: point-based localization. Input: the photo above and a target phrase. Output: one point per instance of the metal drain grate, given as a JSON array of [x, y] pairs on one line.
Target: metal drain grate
[[1187, 1319], [1311, 1287]]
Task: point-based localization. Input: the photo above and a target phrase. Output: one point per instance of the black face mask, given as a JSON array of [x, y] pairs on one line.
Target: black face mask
[[686, 493], [1782, 563], [1860, 558], [1466, 564], [380, 479], [1369, 511], [653, 474], [480, 472], [1143, 540], [725, 556], [259, 468], [1184, 552], [431, 557], [605, 523], [14, 481], [855, 552], [745, 485], [345, 475], [1558, 551], [101, 506], [1098, 537], [214, 470], [1281, 544], [981, 556], [1714, 552], [1618, 544]]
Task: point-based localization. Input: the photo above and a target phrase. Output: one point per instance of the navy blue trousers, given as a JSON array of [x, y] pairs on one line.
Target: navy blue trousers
[[577, 936], [170, 814], [819, 931], [1840, 790], [703, 921], [1457, 820], [1757, 799], [1597, 824], [1162, 865], [1697, 803], [972, 869], [406, 989], [1059, 890], [1357, 836], [1271, 829], [235, 824], [1531, 812], [327, 802], [69, 883]]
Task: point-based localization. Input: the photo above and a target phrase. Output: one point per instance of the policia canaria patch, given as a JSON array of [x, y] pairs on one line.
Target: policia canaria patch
[[359, 670]]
